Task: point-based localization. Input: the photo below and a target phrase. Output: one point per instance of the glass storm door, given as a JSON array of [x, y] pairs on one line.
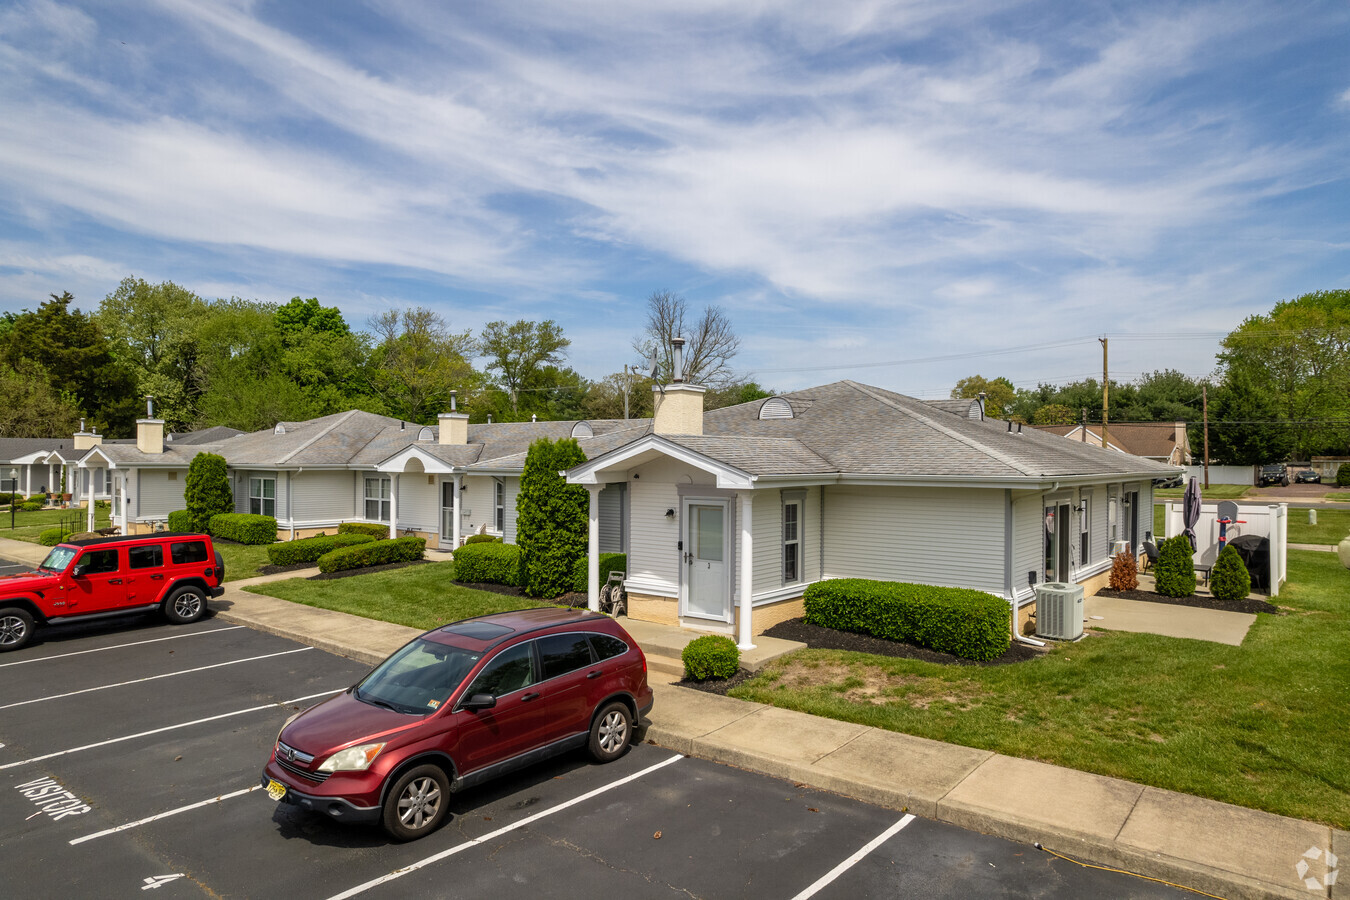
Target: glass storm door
[[705, 561], [448, 511]]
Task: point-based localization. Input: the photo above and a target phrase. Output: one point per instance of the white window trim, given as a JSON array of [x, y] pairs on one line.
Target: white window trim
[[1085, 530], [383, 494], [797, 498], [499, 505], [259, 481]]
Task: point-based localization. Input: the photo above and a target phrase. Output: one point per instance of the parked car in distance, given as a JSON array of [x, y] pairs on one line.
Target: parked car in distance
[[1273, 474], [1307, 476], [113, 576], [457, 706]]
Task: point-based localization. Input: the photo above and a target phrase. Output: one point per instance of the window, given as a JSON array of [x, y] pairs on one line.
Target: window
[[563, 653], [262, 496], [184, 552], [107, 481], [793, 502], [377, 499], [499, 505], [99, 562], [509, 671], [607, 646], [148, 557], [1085, 526]]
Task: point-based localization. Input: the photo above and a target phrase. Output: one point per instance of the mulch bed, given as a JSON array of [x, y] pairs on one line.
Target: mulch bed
[[1246, 605]]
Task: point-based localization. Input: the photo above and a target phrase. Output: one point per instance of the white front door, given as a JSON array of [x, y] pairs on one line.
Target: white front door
[[707, 593], [448, 514]]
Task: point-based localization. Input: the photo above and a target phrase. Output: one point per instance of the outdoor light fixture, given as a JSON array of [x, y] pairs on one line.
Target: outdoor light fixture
[[670, 513]]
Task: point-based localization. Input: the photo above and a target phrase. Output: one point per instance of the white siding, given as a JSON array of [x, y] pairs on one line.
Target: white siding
[[1101, 546], [158, 496], [652, 555], [611, 518], [1028, 541], [477, 499], [512, 493], [768, 528], [320, 496], [924, 535], [419, 503]]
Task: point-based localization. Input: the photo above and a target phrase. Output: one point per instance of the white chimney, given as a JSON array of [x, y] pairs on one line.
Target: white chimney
[[678, 406], [150, 431], [454, 426]]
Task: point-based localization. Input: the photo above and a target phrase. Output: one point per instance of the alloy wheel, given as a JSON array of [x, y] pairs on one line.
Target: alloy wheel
[[613, 731], [419, 802]]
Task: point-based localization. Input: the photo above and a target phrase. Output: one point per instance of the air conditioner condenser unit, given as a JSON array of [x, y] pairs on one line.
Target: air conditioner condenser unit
[[1059, 611]]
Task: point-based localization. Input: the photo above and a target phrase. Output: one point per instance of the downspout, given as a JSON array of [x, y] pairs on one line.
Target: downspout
[[1007, 567]]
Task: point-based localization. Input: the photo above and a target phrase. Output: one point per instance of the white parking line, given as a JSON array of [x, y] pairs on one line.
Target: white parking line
[[132, 737], [104, 687], [164, 815], [173, 637], [413, 867], [853, 860]]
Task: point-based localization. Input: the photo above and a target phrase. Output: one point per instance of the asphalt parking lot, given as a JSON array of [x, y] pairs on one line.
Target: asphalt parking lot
[[130, 756]]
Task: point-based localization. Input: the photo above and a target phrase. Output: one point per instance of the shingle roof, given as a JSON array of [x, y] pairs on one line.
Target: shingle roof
[[604, 441], [757, 455], [1155, 439], [13, 448]]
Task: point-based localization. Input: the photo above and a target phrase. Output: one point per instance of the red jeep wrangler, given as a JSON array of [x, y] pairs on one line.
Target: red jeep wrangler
[[91, 579]]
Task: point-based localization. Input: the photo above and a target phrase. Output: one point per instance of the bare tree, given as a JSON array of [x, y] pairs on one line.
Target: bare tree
[[417, 360], [710, 342]]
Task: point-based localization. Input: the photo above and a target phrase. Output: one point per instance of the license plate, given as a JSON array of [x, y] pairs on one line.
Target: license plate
[[275, 789]]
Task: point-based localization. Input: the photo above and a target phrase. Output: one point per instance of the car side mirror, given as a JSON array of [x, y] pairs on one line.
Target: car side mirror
[[479, 701], [78, 571]]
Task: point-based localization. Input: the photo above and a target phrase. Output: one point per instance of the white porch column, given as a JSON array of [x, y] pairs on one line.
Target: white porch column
[[593, 548], [456, 513], [28, 480], [393, 505], [92, 493], [745, 505], [126, 498]]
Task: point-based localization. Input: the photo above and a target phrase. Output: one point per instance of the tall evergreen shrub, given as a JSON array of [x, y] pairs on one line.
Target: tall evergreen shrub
[[1175, 571], [1230, 580], [207, 490], [1343, 475], [551, 518]]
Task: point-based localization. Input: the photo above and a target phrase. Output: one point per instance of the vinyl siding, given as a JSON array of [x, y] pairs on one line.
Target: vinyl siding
[[157, 496], [611, 518], [924, 535], [509, 518], [477, 499], [419, 503], [767, 523], [321, 496], [652, 538], [1028, 542]]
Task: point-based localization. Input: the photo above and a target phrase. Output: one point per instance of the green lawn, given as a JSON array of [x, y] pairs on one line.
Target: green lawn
[[242, 560], [1213, 492], [28, 526], [1261, 725], [420, 596], [1339, 495]]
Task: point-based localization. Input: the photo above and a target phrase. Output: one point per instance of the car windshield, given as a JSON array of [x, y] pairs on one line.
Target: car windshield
[[58, 559], [418, 679]]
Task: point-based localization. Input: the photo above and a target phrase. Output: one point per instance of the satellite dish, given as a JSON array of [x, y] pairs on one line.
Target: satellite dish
[[653, 367]]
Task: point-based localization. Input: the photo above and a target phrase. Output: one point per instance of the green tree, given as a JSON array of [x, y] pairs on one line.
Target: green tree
[[1230, 579], [1244, 424], [521, 352], [551, 518], [1000, 395], [417, 361], [734, 393], [32, 408], [206, 490], [1174, 573], [1054, 414], [604, 398]]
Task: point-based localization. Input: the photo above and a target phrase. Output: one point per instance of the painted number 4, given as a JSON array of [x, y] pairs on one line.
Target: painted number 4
[[158, 881]]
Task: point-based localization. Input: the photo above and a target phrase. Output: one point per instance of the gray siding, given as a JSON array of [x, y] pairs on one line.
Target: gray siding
[[158, 495], [322, 497], [1028, 542], [924, 535], [612, 537], [512, 493], [767, 523]]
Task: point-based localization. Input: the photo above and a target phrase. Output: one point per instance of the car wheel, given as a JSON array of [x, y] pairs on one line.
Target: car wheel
[[610, 732], [187, 604], [417, 803], [16, 628]]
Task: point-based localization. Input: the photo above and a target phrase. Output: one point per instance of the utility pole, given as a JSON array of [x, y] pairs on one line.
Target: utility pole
[[1082, 426], [625, 391], [1106, 398], [1204, 405]]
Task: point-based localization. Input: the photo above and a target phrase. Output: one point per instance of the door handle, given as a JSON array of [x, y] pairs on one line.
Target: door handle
[[689, 558], [596, 674], [114, 581], [526, 698], [156, 577]]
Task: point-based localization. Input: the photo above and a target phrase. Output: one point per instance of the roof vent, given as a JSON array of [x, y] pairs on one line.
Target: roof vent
[[425, 434], [280, 429], [775, 408], [583, 429]]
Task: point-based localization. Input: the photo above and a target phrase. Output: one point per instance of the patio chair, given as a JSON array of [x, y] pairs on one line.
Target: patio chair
[[1150, 555]]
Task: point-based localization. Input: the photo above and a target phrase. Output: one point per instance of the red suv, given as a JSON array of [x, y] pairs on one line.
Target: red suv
[[84, 580], [457, 706]]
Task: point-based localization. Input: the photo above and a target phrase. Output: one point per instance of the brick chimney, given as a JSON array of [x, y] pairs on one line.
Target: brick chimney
[[678, 406], [454, 426], [150, 431]]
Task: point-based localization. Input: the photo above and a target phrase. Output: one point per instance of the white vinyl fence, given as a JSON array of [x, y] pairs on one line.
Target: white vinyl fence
[[1263, 519], [1223, 474]]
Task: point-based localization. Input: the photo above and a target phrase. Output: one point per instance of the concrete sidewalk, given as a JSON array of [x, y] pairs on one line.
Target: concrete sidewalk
[[1171, 620]]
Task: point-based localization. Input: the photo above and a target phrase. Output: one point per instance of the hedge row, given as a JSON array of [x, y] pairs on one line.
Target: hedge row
[[609, 562], [288, 553], [53, 536], [488, 563], [180, 520], [374, 529], [373, 553], [244, 528], [966, 623], [482, 539]]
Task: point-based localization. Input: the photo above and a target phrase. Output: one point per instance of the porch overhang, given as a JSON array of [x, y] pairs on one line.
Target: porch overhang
[[416, 460], [614, 465]]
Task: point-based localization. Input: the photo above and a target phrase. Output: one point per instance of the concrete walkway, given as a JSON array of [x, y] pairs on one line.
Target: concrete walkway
[[1117, 614]]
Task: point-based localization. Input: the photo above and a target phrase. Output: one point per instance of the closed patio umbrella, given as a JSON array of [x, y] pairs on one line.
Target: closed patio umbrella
[[1190, 510]]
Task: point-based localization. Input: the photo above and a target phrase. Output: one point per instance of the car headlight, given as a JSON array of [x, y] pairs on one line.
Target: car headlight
[[353, 759]]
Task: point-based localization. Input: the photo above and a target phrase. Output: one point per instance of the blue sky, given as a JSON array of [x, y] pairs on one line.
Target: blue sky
[[903, 193]]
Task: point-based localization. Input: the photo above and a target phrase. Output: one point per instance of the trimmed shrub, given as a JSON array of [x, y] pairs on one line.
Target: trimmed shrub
[[609, 562], [711, 656], [966, 623], [374, 529], [244, 528], [1175, 570], [551, 517], [1343, 475], [6, 498], [1124, 572], [373, 553], [288, 553], [53, 536], [1229, 579], [31, 506], [482, 539], [206, 492], [488, 563], [38, 498], [180, 520]]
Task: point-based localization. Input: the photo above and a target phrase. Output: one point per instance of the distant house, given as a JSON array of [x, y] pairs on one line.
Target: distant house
[[1165, 442]]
